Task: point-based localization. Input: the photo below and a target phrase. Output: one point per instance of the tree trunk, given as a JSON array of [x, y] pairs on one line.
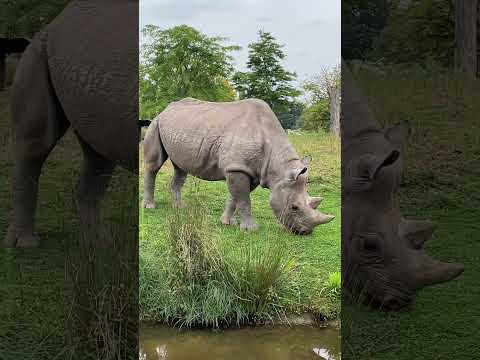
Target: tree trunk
[[334, 95], [466, 36], [2, 71]]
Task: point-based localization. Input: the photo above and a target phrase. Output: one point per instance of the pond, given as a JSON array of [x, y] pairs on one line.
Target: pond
[[249, 343]]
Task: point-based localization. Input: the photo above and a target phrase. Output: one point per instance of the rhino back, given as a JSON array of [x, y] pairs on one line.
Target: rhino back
[[210, 139], [93, 60]]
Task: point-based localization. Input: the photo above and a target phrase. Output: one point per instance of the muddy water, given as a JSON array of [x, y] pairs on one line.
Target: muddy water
[[262, 343]]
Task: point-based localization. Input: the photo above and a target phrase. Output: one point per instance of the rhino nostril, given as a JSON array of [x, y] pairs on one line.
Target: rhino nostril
[[392, 304]]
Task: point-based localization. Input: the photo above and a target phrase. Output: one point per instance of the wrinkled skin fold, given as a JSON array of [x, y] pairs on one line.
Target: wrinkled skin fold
[[241, 142], [383, 261]]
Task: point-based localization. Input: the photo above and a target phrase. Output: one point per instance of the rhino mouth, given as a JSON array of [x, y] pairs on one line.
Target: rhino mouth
[[301, 231], [389, 302]]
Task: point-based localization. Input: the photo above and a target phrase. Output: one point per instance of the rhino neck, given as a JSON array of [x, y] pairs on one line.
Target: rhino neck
[[279, 158]]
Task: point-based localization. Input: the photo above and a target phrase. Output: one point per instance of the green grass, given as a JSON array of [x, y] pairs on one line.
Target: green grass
[[257, 276], [441, 183]]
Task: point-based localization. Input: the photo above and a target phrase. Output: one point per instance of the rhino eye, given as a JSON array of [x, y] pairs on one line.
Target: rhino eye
[[294, 207]]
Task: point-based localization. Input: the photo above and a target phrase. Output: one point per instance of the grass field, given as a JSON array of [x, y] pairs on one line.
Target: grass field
[[441, 183], [47, 294], [310, 259]]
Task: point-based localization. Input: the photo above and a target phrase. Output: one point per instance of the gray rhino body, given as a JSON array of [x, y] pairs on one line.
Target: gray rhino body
[[383, 262], [80, 71], [241, 142]]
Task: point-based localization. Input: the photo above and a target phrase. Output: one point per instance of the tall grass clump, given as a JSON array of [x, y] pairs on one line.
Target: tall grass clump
[[195, 281]]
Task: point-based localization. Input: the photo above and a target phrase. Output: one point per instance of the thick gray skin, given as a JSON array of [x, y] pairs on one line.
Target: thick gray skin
[[68, 76], [241, 142], [382, 256]]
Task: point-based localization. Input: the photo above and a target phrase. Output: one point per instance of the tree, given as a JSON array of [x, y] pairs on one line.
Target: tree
[[362, 22], [266, 78], [466, 17], [26, 17], [182, 62], [326, 86], [420, 32]]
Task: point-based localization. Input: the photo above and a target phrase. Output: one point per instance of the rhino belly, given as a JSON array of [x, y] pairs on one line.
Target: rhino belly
[[195, 151]]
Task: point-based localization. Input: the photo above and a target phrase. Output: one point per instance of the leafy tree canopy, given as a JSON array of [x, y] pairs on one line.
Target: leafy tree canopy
[[182, 62], [266, 78], [425, 31], [26, 17], [362, 22]]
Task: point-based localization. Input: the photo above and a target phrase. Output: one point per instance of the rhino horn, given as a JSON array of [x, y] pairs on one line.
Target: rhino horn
[[321, 218], [416, 231], [313, 202], [434, 272]]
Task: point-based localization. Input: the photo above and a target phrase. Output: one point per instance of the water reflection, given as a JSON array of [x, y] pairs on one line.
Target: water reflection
[[278, 343]]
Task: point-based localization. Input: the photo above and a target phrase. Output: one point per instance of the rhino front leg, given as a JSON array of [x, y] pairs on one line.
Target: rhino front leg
[[239, 185], [178, 180], [93, 182], [228, 216]]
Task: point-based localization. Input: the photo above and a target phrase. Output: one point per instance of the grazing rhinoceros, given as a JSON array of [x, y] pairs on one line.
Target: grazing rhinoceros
[[382, 257], [80, 71], [241, 142]]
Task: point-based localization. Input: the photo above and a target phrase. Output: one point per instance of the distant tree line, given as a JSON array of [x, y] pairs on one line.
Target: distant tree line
[[446, 32]]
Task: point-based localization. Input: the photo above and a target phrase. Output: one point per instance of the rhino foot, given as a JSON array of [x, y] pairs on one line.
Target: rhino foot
[[14, 240], [248, 225], [228, 220], [149, 204]]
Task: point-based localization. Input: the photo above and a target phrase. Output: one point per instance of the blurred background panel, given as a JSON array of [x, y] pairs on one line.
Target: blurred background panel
[[417, 61]]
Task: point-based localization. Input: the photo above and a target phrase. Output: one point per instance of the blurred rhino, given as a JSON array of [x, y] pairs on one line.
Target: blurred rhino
[[241, 142], [382, 257], [81, 76]]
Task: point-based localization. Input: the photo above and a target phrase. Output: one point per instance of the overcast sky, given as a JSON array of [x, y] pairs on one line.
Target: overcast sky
[[309, 29]]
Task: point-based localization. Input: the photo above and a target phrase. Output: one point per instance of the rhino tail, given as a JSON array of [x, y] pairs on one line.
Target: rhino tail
[[153, 150]]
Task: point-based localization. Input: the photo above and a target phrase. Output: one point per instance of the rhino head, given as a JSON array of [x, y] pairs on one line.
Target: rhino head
[[383, 261], [292, 205]]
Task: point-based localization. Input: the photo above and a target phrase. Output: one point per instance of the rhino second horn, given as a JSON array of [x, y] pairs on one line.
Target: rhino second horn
[[313, 202], [435, 272], [416, 231]]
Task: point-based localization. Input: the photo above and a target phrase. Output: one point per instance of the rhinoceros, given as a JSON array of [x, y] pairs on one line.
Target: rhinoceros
[[80, 71], [241, 142], [383, 262]]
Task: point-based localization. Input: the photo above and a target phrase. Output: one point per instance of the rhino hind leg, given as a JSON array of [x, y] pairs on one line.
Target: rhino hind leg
[[178, 180], [239, 185], [92, 184], [38, 124], [154, 158]]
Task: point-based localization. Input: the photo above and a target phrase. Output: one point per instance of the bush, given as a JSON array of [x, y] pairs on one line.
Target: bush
[[194, 282], [316, 117]]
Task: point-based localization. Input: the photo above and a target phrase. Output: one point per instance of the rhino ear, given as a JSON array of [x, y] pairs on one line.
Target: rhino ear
[[307, 160], [398, 134], [416, 231], [295, 173]]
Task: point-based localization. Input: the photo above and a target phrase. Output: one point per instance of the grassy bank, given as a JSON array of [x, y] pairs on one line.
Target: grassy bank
[[248, 277], [441, 183]]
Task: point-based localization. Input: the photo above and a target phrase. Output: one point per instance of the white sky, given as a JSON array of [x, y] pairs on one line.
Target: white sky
[[309, 29]]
